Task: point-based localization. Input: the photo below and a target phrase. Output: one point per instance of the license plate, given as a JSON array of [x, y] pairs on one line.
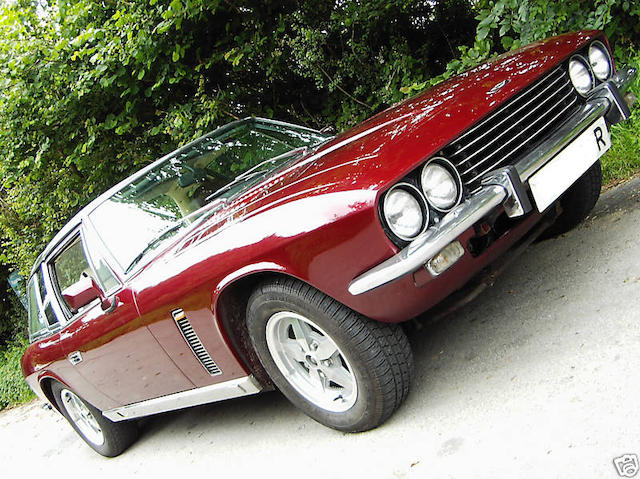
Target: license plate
[[566, 167]]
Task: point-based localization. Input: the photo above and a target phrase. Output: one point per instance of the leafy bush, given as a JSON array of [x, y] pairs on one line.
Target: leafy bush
[[13, 388], [623, 160], [91, 91]]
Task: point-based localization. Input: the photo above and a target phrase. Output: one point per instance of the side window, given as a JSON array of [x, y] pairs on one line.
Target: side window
[[70, 265], [41, 315], [69, 268], [36, 320]]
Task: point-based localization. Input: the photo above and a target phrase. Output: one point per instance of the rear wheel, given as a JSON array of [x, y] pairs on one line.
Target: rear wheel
[[342, 369], [104, 436], [577, 202]]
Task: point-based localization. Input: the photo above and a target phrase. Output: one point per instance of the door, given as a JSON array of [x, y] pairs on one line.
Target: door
[[112, 349]]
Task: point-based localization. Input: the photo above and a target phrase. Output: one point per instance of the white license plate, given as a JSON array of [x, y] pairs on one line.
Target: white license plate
[[566, 167]]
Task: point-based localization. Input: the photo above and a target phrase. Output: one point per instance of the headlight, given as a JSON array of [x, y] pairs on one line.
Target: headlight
[[404, 211], [441, 184], [580, 74], [600, 61]]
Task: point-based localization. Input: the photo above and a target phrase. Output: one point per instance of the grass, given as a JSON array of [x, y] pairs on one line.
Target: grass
[[13, 388], [623, 160]]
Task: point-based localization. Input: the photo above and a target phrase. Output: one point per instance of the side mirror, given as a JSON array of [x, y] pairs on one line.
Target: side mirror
[[81, 293], [84, 291]]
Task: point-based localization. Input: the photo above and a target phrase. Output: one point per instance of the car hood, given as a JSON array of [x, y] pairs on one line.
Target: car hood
[[386, 147]]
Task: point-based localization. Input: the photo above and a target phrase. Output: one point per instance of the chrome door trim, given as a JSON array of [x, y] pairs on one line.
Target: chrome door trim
[[193, 397]]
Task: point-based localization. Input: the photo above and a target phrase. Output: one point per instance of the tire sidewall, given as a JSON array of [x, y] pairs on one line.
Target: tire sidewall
[[367, 406], [110, 446]]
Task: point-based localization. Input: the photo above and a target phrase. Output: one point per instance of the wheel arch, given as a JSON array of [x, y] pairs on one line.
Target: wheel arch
[[229, 307], [46, 384]]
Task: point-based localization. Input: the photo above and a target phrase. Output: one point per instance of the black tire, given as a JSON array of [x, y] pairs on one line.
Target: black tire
[[377, 355], [117, 436], [577, 202]]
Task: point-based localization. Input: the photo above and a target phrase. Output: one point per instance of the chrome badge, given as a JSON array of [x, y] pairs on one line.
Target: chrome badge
[[498, 86]]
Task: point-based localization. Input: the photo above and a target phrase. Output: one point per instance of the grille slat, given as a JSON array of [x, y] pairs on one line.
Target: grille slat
[[522, 131], [519, 121], [194, 343], [524, 122], [523, 143], [518, 110]]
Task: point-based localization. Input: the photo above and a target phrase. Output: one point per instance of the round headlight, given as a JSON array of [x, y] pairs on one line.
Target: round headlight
[[600, 61], [441, 184], [404, 211], [580, 75]]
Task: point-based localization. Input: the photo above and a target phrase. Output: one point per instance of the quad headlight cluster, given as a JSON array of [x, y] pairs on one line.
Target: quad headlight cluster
[[586, 71], [424, 196], [409, 206]]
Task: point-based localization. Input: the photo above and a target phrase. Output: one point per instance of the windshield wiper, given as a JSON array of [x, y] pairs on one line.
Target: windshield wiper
[[152, 244]]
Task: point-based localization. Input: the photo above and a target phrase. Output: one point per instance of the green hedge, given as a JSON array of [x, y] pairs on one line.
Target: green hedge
[[13, 388], [91, 91]]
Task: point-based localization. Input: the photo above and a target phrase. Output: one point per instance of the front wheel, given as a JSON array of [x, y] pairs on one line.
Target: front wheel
[[104, 436], [342, 369]]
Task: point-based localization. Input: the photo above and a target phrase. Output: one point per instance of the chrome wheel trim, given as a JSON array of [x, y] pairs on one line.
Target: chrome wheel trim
[[82, 417], [311, 362]]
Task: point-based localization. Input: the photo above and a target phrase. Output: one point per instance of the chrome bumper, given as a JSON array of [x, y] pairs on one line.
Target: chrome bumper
[[501, 187]]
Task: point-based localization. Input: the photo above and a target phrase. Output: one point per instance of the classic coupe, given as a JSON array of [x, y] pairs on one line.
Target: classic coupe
[[266, 255]]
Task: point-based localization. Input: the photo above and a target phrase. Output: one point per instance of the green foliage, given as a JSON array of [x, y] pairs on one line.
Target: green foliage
[[510, 24], [13, 388], [623, 159], [13, 319], [91, 91]]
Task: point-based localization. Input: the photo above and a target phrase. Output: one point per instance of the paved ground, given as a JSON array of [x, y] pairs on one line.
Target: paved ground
[[537, 378]]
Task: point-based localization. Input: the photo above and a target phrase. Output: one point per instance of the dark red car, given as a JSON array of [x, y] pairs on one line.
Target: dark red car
[[269, 255]]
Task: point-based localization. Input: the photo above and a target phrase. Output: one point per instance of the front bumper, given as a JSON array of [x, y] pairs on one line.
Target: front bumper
[[501, 187]]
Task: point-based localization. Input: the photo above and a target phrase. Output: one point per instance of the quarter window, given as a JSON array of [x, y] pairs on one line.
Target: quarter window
[[36, 321], [41, 315]]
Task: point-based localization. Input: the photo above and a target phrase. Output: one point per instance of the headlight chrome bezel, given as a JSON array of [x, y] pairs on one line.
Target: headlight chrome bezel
[[597, 44], [418, 196], [453, 172], [581, 59]]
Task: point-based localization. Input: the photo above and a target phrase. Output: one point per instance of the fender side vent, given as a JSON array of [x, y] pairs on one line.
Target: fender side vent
[[194, 342]]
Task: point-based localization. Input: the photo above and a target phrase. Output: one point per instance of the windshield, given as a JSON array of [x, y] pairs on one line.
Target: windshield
[[153, 208]]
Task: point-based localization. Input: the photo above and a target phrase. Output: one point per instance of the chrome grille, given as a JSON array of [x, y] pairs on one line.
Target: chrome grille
[[194, 342], [514, 129]]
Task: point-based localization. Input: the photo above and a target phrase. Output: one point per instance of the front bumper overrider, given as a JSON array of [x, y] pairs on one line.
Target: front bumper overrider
[[504, 186]]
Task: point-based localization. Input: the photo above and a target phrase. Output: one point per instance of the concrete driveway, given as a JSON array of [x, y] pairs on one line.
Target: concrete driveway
[[538, 377]]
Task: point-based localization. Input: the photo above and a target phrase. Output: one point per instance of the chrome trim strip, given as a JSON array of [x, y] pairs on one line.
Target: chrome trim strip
[[193, 397], [490, 196]]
